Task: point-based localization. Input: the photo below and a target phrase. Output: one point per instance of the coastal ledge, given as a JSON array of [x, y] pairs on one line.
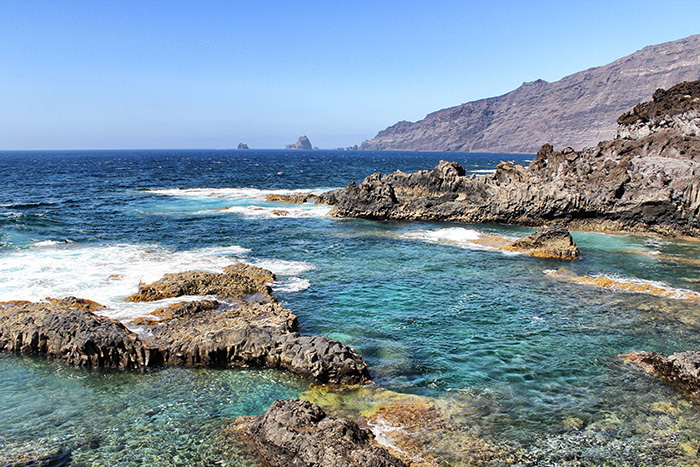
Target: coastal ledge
[[244, 326], [646, 180], [681, 370]]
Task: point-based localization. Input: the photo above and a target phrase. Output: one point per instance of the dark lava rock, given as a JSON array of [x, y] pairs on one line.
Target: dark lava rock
[[250, 329], [549, 242], [645, 180], [298, 433], [77, 336], [680, 369]]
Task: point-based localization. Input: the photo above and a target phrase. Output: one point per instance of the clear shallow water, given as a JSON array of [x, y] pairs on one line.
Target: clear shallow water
[[503, 345]]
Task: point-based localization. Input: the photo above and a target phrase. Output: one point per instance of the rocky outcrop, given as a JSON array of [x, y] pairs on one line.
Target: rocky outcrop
[[73, 334], [552, 241], [242, 147], [225, 285], [302, 143], [298, 433], [579, 110], [645, 180], [292, 198], [680, 369], [247, 327]]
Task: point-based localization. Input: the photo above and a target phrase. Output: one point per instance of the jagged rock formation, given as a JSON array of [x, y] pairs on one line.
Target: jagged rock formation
[[251, 328], [242, 146], [578, 111], [302, 143], [298, 433], [552, 241], [293, 198], [645, 180], [680, 369], [73, 334]]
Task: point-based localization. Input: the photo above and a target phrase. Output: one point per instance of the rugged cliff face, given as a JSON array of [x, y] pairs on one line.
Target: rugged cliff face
[[578, 111], [647, 180]]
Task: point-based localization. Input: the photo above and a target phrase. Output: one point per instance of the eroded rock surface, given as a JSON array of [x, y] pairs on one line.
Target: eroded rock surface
[[74, 335], [298, 433], [645, 180], [680, 369], [247, 327], [553, 241]]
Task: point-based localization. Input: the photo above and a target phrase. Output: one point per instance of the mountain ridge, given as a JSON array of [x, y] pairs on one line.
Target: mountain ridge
[[577, 111]]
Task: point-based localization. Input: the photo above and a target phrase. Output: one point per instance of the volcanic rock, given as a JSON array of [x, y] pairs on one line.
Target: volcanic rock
[[302, 143], [293, 198], [549, 242], [72, 334], [645, 180], [298, 433], [250, 328], [242, 147], [224, 285], [680, 369]]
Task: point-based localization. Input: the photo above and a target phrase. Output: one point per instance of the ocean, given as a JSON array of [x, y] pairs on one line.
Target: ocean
[[514, 355]]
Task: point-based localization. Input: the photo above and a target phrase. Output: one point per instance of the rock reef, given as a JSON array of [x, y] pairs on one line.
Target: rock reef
[[299, 433], [645, 180], [248, 327]]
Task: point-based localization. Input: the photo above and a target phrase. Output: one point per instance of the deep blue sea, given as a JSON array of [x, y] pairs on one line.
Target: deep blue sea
[[510, 352]]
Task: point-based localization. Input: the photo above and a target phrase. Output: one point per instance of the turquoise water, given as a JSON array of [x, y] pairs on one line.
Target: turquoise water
[[507, 348]]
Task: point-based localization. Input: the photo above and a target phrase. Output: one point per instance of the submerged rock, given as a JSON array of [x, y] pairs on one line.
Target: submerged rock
[[298, 433], [645, 180], [680, 369], [51, 457], [549, 242]]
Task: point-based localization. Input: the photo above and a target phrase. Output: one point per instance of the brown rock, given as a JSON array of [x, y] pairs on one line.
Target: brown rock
[[294, 198], [298, 433], [549, 242]]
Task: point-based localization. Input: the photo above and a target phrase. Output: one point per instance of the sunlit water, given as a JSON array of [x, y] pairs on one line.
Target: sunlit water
[[507, 348]]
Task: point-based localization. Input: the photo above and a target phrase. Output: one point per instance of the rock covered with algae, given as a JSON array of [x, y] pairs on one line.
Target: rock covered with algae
[[299, 433]]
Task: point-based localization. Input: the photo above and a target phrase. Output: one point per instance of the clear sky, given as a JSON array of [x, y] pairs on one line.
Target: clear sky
[[210, 74]]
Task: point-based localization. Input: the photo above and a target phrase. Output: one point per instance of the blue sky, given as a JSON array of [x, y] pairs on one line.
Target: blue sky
[[210, 74]]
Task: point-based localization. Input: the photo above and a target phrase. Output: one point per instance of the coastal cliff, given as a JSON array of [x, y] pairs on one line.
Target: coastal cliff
[[647, 179], [578, 111]]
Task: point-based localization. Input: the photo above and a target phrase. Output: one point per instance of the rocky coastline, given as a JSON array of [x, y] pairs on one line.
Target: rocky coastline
[[646, 180], [244, 326]]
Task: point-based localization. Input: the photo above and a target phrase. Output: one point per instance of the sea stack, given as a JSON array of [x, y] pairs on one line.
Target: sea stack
[[242, 146], [302, 143]]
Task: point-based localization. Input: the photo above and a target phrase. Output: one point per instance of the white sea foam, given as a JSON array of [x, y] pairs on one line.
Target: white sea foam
[[284, 267], [230, 193], [104, 273], [268, 212], [293, 284], [452, 235]]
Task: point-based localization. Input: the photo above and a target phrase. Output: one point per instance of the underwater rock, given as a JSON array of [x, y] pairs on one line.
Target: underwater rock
[[549, 242], [680, 369], [74, 335], [56, 457], [645, 180], [297, 432]]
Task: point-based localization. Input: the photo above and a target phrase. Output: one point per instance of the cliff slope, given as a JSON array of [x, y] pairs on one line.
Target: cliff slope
[[647, 179], [578, 111]]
